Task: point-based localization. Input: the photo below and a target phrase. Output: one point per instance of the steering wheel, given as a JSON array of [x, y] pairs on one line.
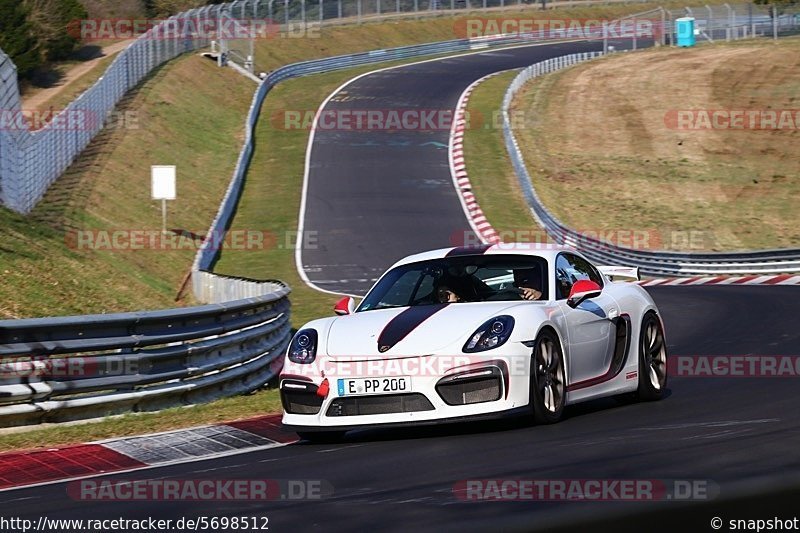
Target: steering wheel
[[502, 293]]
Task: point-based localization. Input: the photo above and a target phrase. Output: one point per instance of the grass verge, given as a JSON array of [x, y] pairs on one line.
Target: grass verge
[[186, 127], [601, 134], [491, 175], [60, 259]]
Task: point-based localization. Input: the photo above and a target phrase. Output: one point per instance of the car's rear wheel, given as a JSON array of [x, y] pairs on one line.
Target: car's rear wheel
[[548, 383], [652, 359], [321, 437]]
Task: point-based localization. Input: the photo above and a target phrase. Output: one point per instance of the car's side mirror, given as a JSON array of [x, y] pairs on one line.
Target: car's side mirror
[[583, 289], [345, 306]]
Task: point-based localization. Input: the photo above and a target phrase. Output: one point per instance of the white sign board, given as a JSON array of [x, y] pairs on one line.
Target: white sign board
[[163, 182]]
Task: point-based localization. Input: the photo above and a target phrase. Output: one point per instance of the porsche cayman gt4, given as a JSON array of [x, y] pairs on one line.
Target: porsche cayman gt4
[[467, 333]]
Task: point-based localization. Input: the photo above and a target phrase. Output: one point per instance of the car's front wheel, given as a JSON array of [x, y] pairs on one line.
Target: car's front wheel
[[547, 383], [652, 359]]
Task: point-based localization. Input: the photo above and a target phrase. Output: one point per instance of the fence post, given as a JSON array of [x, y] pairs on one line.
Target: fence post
[[730, 21], [774, 22]]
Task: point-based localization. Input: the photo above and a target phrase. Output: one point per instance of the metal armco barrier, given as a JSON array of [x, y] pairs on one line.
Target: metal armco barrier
[[659, 263], [59, 369], [208, 287]]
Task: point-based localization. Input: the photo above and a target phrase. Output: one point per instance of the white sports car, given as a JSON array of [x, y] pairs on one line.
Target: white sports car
[[460, 334]]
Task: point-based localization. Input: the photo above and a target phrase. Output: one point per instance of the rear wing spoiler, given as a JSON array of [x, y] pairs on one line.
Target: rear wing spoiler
[[620, 273]]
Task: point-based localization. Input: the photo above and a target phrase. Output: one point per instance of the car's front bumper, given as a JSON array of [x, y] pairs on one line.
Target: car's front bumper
[[488, 386]]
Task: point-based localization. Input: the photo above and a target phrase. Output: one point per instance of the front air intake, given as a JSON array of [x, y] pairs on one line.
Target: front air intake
[[300, 398], [475, 386], [379, 405]]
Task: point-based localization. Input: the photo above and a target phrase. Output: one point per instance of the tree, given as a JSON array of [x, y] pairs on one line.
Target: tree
[[50, 22], [16, 37], [780, 5]]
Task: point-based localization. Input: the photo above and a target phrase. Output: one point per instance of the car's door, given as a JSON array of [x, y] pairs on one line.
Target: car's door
[[590, 331]]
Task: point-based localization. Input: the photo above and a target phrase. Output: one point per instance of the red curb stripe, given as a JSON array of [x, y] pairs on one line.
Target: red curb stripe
[[778, 279], [28, 468]]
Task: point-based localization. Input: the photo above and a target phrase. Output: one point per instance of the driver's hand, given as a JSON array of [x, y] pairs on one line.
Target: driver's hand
[[530, 294]]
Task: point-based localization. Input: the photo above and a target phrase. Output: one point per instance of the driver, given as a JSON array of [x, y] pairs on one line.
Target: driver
[[449, 289], [529, 283], [445, 294]]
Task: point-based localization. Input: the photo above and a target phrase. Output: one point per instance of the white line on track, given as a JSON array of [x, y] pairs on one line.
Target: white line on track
[[298, 252]]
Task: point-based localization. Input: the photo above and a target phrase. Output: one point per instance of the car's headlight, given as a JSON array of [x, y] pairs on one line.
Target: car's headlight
[[491, 334], [303, 348]]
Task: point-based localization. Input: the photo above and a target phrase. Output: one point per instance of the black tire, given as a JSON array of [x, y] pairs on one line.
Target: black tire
[[321, 437], [652, 359], [547, 382]]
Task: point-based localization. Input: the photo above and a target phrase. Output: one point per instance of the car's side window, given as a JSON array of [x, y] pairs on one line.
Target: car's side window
[[571, 268], [587, 270]]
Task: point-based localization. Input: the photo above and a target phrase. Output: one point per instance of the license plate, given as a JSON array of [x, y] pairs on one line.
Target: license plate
[[349, 387]]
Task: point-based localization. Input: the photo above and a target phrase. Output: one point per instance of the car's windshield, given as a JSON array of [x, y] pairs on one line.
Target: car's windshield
[[459, 279]]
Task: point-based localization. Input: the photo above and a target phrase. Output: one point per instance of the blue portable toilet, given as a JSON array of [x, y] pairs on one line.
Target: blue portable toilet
[[684, 29]]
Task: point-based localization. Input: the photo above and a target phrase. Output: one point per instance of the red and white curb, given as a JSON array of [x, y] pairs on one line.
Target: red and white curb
[[38, 467], [777, 279], [458, 169], [483, 228]]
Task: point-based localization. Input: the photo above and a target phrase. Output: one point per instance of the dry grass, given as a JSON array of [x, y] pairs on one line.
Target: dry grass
[[108, 188], [597, 135]]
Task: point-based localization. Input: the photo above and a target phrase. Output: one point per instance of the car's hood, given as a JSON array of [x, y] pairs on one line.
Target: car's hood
[[408, 331]]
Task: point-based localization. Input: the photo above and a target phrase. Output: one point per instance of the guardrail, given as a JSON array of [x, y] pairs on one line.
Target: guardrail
[[30, 161], [211, 288], [59, 369], [651, 262]]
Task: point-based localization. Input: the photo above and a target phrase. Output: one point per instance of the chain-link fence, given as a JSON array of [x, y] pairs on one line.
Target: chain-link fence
[[727, 22], [32, 160]]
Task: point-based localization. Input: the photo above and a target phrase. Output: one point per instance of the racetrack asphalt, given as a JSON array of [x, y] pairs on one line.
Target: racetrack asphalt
[[375, 203], [376, 196], [726, 432]]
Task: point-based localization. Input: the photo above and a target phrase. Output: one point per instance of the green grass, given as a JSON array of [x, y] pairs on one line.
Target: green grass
[[271, 198], [224, 410], [491, 175], [107, 189], [189, 113]]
